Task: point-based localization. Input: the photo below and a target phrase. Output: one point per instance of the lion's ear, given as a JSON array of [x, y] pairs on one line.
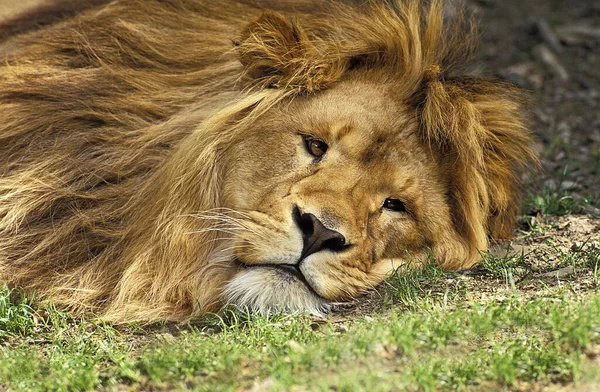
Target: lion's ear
[[277, 53], [478, 125]]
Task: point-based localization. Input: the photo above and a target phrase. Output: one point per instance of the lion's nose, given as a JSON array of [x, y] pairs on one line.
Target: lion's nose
[[316, 236]]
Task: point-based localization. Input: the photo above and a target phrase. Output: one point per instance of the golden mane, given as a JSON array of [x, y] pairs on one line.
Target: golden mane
[[100, 112]]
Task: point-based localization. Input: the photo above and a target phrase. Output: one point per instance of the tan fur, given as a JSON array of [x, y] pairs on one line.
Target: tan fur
[[152, 151]]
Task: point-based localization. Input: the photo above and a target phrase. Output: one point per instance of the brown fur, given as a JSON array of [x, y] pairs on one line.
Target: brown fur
[[129, 127]]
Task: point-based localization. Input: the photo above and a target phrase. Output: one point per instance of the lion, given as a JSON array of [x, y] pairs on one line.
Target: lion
[[160, 160]]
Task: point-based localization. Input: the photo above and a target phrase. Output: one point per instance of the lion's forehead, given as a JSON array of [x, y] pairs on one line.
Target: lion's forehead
[[373, 150], [366, 122]]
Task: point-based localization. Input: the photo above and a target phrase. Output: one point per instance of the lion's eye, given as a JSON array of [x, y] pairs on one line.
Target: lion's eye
[[394, 205], [316, 148]]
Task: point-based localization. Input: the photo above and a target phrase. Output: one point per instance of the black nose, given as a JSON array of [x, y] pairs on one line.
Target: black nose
[[316, 236]]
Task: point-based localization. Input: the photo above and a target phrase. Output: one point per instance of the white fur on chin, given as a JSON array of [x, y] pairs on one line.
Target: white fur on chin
[[268, 290]]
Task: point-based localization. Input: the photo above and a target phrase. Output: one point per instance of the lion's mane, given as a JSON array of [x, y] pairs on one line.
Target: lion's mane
[[102, 110]]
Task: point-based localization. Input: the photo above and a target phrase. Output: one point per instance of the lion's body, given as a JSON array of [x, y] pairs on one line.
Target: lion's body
[[121, 126]]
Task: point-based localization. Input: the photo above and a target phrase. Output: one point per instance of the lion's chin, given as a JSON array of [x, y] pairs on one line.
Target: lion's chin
[[272, 290]]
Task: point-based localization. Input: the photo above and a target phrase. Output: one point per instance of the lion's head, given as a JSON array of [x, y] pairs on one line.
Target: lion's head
[[328, 194], [345, 145]]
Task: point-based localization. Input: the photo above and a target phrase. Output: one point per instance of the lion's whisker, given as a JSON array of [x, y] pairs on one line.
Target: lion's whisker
[[225, 219]]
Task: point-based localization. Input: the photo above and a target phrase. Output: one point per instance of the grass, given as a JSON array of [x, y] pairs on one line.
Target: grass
[[555, 200], [429, 335], [15, 316], [596, 153]]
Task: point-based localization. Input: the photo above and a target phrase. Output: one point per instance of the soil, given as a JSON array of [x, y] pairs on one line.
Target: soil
[[559, 250], [552, 49]]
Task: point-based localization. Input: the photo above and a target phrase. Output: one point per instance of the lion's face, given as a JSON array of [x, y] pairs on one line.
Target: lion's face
[[330, 193]]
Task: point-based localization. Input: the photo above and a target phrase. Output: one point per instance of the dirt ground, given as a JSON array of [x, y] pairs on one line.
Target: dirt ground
[[552, 49]]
